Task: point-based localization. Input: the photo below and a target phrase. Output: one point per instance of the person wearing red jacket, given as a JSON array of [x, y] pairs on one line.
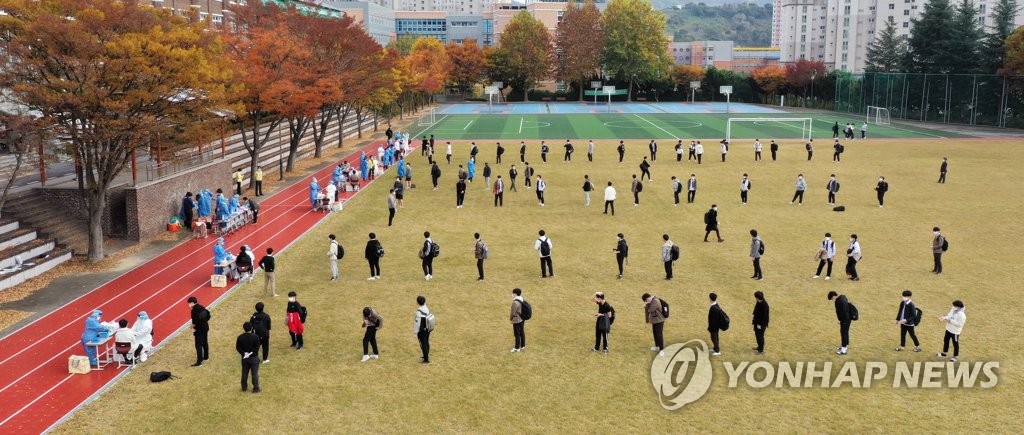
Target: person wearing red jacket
[[295, 319]]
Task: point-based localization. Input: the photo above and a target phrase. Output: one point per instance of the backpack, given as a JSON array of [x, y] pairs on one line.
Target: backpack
[[485, 250], [258, 326], [725, 320], [808, 146], [707, 217], [664, 308], [205, 315], [527, 310], [749, 184], [545, 247], [918, 315], [380, 250], [854, 313], [435, 249], [945, 244], [161, 376], [639, 187], [837, 187], [841, 148], [341, 251], [675, 252], [429, 322], [678, 187], [625, 250], [302, 313], [760, 248]]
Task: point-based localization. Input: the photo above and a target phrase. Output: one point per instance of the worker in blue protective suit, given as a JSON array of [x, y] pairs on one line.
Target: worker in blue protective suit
[[203, 203], [471, 168], [364, 167], [220, 254], [94, 329], [233, 205], [314, 190], [222, 206]]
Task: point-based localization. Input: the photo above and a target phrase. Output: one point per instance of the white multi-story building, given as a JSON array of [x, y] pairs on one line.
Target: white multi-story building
[[838, 32]]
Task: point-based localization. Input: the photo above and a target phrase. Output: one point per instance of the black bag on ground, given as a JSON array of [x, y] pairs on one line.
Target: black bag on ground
[[839, 208], [160, 376]]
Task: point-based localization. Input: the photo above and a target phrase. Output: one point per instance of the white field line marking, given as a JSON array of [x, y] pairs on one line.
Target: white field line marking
[[655, 126]]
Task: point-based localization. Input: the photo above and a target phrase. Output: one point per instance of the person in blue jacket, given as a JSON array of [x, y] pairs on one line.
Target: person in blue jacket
[[364, 169], [93, 330], [401, 169], [314, 189], [203, 203], [233, 205], [223, 209], [220, 253], [470, 169]]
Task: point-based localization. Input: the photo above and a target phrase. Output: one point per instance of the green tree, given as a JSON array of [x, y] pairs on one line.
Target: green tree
[[887, 51], [404, 43], [525, 55], [580, 42], [929, 42], [636, 47], [1014, 55], [964, 40], [1003, 15]]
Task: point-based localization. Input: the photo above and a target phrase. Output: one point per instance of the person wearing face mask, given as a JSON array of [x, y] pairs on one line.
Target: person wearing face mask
[[881, 188], [295, 319], [906, 317], [143, 330], [954, 321], [605, 317], [825, 255], [518, 323], [852, 257], [801, 186], [938, 241]]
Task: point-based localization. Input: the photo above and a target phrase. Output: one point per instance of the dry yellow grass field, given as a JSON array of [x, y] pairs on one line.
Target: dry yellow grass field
[[474, 384]]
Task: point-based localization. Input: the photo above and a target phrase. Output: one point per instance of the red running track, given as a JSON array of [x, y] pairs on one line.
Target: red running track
[[36, 391]]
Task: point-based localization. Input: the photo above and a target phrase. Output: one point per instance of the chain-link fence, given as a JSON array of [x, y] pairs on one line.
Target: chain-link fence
[[972, 99]]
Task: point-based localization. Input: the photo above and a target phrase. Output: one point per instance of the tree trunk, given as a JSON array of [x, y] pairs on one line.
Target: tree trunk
[[629, 96], [296, 130], [19, 158], [96, 201], [359, 122], [581, 92], [375, 121], [342, 117], [323, 121]]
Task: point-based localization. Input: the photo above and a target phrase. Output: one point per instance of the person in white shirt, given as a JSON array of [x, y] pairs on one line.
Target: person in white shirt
[[757, 150], [609, 198], [744, 188], [826, 253], [543, 246], [590, 150], [420, 328], [124, 334], [448, 152], [541, 187], [699, 149], [852, 257], [954, 321], [143, 330], [332, 190]]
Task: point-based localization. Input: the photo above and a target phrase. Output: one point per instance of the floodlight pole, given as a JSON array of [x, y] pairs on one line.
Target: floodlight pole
[[490, 104], [727, 101], [609, 102]]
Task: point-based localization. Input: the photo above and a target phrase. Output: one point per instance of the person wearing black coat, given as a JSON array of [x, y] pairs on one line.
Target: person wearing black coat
[[621, 252], [843, 315], [435, 174], [260, 322], [248, 344], [711, 223], [372, 253], [905, 317], [716, 321], [188, 205], [200, 330], [605, 317], [760, 320]]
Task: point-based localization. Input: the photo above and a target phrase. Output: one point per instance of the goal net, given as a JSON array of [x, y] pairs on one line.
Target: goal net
[[427, 119], [877, 115], [751, 128]]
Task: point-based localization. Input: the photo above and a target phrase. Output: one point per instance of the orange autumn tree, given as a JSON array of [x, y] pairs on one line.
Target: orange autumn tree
[[770, 79], [580, 41], [468, 63], [428, 67], [682, 75]]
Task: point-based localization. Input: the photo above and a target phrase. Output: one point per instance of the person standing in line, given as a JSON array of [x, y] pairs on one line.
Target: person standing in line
[[257, 178], [757, 150], [845, 319], [605, 317], [609, 198], [622, 150], [448, 152], [254, 207], [435, 174], [389, 133], [372, 253], [487, 175], [499, 151], [864, 130], [499, 192], [431, 143], [837, 149], [756, 251], [512, 174], [653, 314], [635, 188], [679, 151], [954, 321], [691, 189], [541, 187], [427, 256], [587, 188], [424, 144], [247, 344], [481, 252], [942, 170], [527, 174], [238, 177], [835, 130], [295, 319], [810, 149], [568, 151], [371, 322], [645, 169], [188, 208], [677, 188], [938, 241], [716, 322], [621, 251], [826, 254], [881, 188], [544, 152], [470, 169], [590, 150], [543, 247], [269, 282], [852, 257], [522, 152], [460, 192], [473, 151], [260, 322], [711, 223], [654, 150], [332, 256], [905, 318], [801, 186], [775, 149], [761, 314], [421, 328], [833, 188], [666, 255], [692, 154], [518, 324], [408, 176], [392, 206], [744, 188], [200, 330]]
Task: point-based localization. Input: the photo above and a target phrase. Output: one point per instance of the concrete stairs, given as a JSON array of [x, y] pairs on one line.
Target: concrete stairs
[[35, 211], [24, 256]]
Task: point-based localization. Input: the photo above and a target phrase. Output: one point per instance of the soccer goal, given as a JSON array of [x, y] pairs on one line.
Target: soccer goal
[[427, 119], [877, 115], [770, 128]]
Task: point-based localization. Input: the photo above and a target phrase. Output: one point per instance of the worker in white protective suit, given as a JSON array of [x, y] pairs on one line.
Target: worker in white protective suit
[[143, 329]]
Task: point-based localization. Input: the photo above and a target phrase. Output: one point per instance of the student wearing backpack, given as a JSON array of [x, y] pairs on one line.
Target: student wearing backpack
[[621, 150], [518, 322], [422, 329], [906, 318], [761, 315], [711, 223], [938, 247], [332, 256], [717, 322], [481, 252], [260, 322], [954, 321], [200, 330], [372, 253], [543, 247], [427, 253], [587, 188], [621, 251], [635, 189], [371, 322], [744, 189], [833, 188], [691, 189], [880, 189], [845, 319], [852, 257], [295, 319], [656, 317], [677, 188], [668, 255], [247, 344], [605, 317], [392, 206], [756, 251], [825, 255], [645, 169]]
